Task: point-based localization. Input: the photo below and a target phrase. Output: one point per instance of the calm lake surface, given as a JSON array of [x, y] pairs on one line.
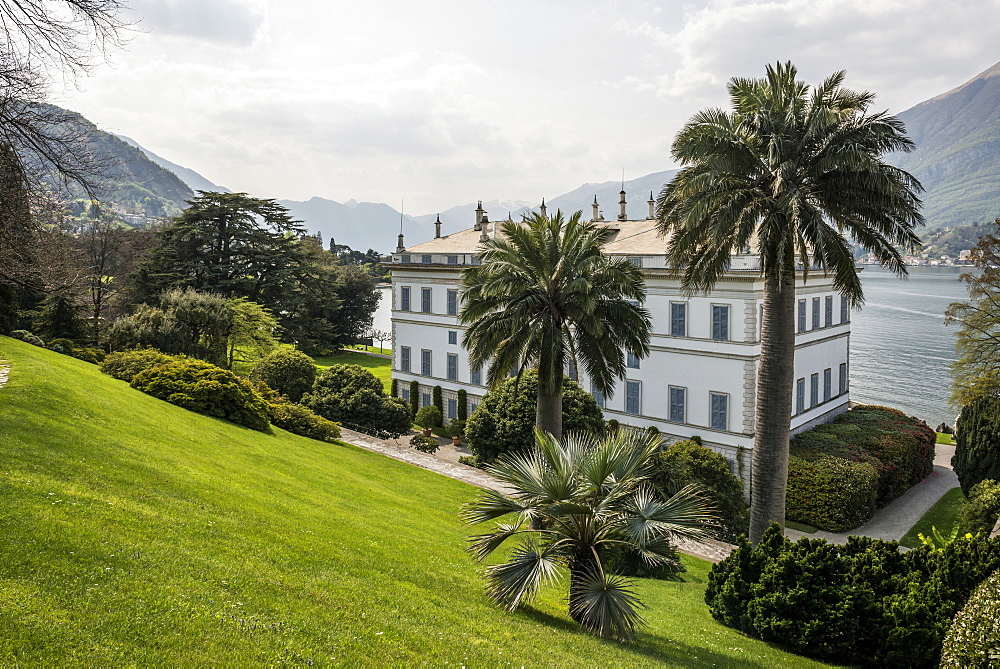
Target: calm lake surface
[[900, 347]]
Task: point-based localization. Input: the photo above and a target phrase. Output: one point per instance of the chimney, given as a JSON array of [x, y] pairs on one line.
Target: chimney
[[437, 227], [652, 207], [621, 206], [542, 208], [399, 246], [484, 225], [596, 216], [479, 216]]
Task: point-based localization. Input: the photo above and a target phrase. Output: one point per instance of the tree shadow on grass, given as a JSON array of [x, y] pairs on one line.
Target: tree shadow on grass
[[653, 646]]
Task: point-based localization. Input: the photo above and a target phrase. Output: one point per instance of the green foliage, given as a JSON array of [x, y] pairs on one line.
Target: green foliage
[[437, 400], [394, 388], [60, 318], [424, 444], [353, 397], [840, 472], [977, 451], [973, 639], [94, 356], [414, 397], [938, 540], [684, 463], [504, 420], [200, 386], [288, 371], [428, 416], [251, 331], [860, 603], [186, 323], [456, 428], [983, 510], [296, 418], [463, 405], [124, 365]]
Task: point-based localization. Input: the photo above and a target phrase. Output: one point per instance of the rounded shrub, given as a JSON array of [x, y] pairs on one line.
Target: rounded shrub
[[124, 365], [202, 387], [62, 345], [301, 420], [504, 420], [977, 444], [428, 416], [685, 462], [983, 509], [27, 337], [973, 639], [831, 493], [353, 397], [288, 371], [424, 444], [94, 356]]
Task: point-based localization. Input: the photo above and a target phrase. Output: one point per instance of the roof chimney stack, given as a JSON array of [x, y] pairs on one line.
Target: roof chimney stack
[[484, 225], [596, 216], [479, 216], [652, 207], [621, 205], [542, 209], [437, 227], [399, 245]]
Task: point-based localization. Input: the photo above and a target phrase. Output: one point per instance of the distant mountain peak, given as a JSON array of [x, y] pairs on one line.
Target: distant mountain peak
[[985, 74]]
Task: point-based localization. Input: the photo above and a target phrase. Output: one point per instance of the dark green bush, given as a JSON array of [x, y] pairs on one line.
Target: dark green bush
[[973, 639], [456, 428], [463, 405], [685, 462], [437, 399], [983, 509], [288, 371], [394, 388], [301, 420], [61, 345], [861, 603], [124, 365], [424, 444], [414, 397], [504, 420], [353, 397], [831, 493], [428, 416], [204, 388], [27, 337], [977, 444]]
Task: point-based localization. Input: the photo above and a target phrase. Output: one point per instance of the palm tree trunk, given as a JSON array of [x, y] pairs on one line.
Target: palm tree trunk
[[775, 377], [584, 566], [548, 415]]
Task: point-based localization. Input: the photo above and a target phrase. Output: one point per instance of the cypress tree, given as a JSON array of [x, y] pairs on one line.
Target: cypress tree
[[977, 453]]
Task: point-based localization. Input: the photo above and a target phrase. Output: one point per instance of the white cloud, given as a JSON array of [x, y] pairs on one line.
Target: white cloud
[[238, 22]]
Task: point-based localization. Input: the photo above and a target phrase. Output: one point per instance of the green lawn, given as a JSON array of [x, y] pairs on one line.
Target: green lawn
[[137, 533], [380, 367], [943, 515], [945, 438]]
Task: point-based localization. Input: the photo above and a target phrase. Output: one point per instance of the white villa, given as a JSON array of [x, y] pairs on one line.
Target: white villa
[[700, 375]]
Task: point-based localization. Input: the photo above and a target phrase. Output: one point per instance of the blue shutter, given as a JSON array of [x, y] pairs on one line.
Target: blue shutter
[[813, 390], [452, 367], [828, 311], [425, 362], [598, 397], [815, 313], [404, 298], [631, 360], [802, 315], [452, 302], [827, 384], [632, 397], [720, 411], [843, 309], [678, 320], [800, 395], [476, 376], [452, 409], [677, 405], [720, 322], [404, 358], [843, 378]]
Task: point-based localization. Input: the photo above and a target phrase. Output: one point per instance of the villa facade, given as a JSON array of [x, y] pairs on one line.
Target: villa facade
[[700, 375]]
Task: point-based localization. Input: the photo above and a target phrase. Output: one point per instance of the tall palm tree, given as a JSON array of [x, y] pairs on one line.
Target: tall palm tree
[[574, 504], [789, 170], [545, 295]]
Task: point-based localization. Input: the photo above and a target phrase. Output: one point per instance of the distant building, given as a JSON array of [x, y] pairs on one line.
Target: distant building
[[700, 375]]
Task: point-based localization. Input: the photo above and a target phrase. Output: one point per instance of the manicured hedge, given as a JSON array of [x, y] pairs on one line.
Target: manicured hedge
[[124, 365], [974, 637], [839, 473]]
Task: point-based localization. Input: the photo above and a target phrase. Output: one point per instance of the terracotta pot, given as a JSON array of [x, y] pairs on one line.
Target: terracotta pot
[[426, 431], [456, 440]]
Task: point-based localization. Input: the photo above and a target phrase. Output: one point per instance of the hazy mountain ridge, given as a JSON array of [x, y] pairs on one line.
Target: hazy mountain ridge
[[191, 178]]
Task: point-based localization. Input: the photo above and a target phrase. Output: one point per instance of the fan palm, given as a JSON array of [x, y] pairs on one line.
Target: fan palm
[[789, 170], [545, 295], [573, 505]]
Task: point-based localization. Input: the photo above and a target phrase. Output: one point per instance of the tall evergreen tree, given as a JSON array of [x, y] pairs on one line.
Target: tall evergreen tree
[[788, 172]]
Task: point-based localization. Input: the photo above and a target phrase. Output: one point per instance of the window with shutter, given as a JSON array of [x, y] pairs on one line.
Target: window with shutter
[[720, 322], [404, 358], [676, 411], [678, 319], [632, 397], [720, 411], [452, 367]]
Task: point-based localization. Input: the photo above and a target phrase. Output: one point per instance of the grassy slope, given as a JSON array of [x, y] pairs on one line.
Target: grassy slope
[[134, 532], [380, 367], [943, 515]]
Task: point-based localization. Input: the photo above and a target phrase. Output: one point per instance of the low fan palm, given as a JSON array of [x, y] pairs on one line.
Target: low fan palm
[[545, 295], [788, 172], [572, 506]]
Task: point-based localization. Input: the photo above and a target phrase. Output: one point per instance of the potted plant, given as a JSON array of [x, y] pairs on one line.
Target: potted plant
[[456, 429], [427, 418]]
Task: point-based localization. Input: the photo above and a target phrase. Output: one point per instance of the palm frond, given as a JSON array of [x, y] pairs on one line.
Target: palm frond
[[605, 604], [529, 566]]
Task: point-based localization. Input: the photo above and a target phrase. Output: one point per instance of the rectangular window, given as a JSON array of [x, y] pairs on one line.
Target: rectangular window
[[404, 358], [405, 259], [828, 311], [677, 401], [815, 313], [843, 378], [802, 316], [452, 260], [678, 319], [452, 337], [720, 322], [813, 390], [598, 396], [425, 399], [452, 409], [472, 407], [404, 298], [720, 411], [405, 394], [571, 370], [425, 362], [827, 384], [452, 367], [632, 397], [631, 360], [453, 303], [476, 376], [845, 314], [425, 260], [425, 300], [636, 260], [800, 396]]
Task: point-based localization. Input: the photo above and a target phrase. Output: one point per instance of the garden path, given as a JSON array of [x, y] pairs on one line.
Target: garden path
[[894, 520], [445, 462], [4, 372]]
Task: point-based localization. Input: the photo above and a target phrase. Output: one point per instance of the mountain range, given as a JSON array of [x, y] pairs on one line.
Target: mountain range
[[957, 158]]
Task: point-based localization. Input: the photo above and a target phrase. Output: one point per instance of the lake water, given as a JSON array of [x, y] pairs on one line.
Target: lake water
[[901, 349]]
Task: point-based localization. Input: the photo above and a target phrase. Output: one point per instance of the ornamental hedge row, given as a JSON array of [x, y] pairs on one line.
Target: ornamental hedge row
[[839, 473]]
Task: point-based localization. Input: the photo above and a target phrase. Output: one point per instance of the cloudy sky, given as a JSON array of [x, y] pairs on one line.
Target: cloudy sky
[[446, 102]]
